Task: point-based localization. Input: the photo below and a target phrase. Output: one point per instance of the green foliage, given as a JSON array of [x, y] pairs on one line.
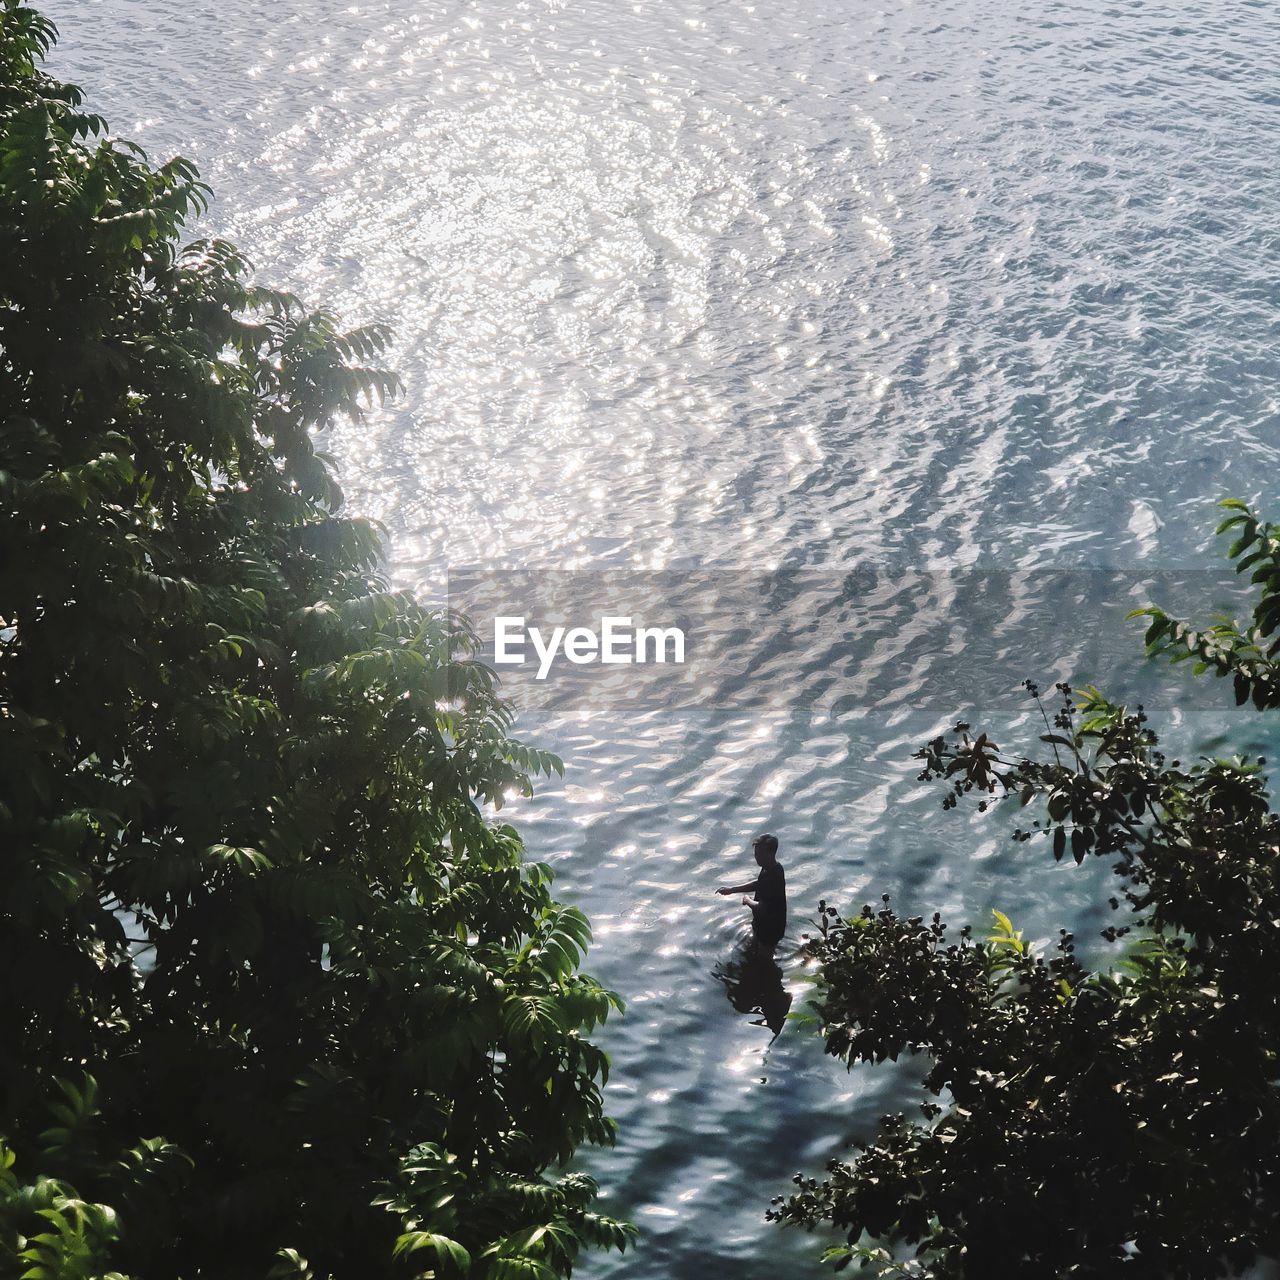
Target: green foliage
[[248, 889], [47, 1232], [1245, 653], [1080, 1122]]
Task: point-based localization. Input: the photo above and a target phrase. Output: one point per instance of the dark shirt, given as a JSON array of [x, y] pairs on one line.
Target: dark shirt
[[770, 912]]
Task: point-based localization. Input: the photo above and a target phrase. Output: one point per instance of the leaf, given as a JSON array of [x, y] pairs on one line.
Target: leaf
[[447, 1256]]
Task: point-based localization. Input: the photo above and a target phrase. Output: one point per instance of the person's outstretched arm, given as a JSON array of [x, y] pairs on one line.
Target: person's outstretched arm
[[727, 891]]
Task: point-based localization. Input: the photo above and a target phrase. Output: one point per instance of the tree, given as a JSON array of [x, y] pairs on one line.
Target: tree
[[1083, 1123], [278, 996]]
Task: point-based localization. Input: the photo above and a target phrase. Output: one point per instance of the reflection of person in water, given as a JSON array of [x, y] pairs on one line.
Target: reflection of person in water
[[769, 910], [753, 983]]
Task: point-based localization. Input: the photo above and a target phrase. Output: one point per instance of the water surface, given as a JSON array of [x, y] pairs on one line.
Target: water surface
[[894, 301]]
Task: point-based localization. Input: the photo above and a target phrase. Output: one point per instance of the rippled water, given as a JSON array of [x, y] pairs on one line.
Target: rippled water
[[720, 288]]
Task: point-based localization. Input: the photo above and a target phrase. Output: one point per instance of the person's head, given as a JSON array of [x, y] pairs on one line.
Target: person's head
[[766, 850]]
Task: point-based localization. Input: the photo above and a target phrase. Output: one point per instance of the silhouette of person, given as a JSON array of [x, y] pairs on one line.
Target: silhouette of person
[[753, 983], [769, 910]]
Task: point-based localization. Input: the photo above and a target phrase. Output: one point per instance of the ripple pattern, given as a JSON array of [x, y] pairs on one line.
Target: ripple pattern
[[860, 338]]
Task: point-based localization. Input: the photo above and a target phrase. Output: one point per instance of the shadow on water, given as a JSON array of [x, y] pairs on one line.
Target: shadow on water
[[752, 980]]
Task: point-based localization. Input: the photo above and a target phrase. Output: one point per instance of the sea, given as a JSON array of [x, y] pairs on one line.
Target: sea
[[893, 353]]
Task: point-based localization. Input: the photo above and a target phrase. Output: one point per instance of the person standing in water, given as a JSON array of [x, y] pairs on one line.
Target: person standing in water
[[769, 910]]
